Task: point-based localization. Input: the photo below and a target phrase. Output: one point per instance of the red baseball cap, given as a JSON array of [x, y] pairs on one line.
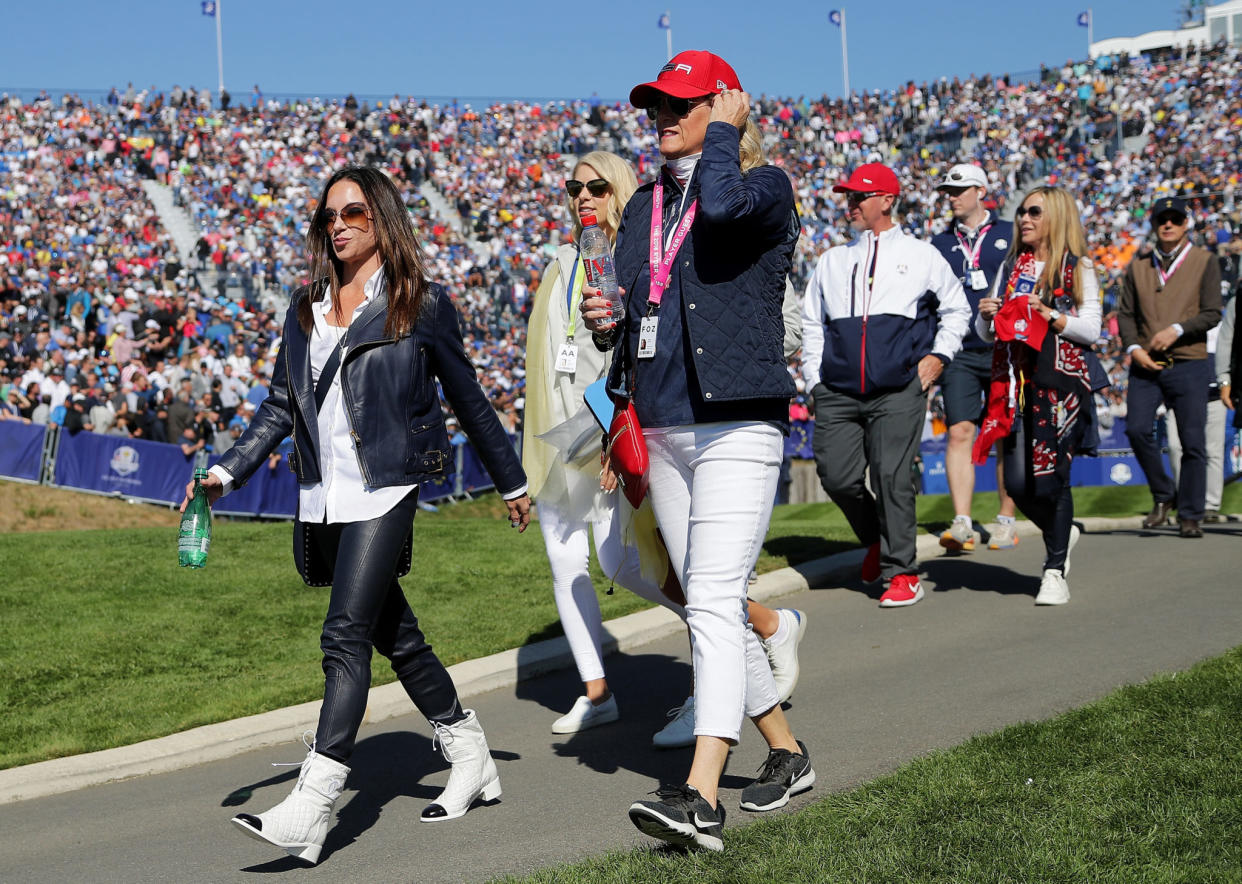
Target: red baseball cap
[[870, 178], [1016, 321], [688, 74]]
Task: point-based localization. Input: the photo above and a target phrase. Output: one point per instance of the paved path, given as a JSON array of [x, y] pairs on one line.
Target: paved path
[[878, 688]]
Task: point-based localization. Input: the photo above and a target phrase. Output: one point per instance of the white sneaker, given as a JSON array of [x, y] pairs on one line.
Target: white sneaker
[[783, 658], [585, 715], [1075, 533], [679, 732], [1053, 590]]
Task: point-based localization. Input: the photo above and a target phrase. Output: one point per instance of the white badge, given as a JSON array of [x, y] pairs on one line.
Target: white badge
[[976, 280], [567, 357], [647, 337]]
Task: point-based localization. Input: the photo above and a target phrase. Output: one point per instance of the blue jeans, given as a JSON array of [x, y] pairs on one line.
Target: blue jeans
[[368, 610]]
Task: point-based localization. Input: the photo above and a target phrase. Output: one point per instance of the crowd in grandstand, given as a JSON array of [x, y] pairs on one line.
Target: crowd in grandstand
[[104, 326]]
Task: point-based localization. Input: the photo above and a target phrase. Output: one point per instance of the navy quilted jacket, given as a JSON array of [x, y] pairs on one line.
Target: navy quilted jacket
[[719, 351]]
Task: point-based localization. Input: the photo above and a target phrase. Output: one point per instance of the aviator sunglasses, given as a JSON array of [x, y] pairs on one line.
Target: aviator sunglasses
[[354, 215], [1034, 211], [678, 107], [596, 187]]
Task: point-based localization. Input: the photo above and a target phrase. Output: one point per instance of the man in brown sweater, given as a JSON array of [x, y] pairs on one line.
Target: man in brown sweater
[[1169, 301]]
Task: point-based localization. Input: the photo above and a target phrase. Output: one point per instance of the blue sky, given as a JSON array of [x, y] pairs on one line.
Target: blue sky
[[500, 48]]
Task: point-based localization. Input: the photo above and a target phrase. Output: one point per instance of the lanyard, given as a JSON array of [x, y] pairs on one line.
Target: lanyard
[[573, 295], [869, 283], [662, 268], [972, 252], [1177, 262]]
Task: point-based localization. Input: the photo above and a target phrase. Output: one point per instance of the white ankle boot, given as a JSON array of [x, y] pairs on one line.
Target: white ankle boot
[[474, 772], [300, 823]]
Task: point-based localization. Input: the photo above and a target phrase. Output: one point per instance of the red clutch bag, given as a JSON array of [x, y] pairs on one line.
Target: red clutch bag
[[628, 450]]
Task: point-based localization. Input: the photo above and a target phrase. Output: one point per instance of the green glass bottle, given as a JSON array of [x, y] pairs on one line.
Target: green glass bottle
[[195, 537]]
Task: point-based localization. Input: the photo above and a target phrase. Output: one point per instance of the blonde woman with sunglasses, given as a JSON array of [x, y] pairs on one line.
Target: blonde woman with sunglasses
[[1043, 315]]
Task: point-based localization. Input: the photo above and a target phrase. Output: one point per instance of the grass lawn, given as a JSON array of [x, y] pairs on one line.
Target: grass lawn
[[1142, 786], [105, 641]]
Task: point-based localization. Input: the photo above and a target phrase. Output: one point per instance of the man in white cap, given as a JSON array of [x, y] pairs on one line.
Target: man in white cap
[[975, 247]]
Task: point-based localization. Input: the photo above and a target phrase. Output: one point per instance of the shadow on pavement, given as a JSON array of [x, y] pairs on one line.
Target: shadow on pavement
[[384, 767], [977, 574], [646, 687]]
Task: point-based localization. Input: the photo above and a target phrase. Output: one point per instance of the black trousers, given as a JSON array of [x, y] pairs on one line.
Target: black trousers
[[368, 610], [1053, 514], [1183, 388]]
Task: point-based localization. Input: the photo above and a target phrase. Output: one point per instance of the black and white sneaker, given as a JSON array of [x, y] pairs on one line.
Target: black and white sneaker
[[784, 774], [682, 817]]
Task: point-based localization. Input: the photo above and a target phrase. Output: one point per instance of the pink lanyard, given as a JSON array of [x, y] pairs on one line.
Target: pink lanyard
[[972, 253], [662, 268]]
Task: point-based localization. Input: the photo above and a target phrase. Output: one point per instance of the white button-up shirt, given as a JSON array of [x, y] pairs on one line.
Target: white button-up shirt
[[342, 494]]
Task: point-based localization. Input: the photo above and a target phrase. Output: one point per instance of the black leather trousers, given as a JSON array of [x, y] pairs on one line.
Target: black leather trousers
[[368, 610]]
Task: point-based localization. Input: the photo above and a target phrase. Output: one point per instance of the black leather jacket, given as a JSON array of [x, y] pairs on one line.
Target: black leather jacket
[[389, 388]]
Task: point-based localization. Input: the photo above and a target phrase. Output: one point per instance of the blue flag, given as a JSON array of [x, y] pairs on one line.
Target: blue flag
[[209, 8], [1084, 19], [663, 22], [834, 17]]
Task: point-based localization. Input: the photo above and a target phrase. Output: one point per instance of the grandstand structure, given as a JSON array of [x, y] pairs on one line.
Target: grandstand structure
[[1220, 24], [143, 211]]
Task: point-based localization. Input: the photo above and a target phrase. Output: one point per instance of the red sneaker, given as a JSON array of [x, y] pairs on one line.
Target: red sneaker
[[871, 564], [903, 590]]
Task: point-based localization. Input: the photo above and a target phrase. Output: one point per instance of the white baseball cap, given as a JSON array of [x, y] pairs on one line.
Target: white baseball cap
[[964, 175]]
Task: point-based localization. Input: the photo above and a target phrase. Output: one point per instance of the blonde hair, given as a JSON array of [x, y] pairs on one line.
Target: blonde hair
[[621, 181], [750, 148], [1063, 235]]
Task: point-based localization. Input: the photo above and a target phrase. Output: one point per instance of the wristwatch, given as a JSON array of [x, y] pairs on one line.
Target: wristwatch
[[1053, 316]]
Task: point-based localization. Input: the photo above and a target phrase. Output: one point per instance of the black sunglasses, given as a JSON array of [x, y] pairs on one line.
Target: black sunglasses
[[678, 107], [1033, 211], [1170, 218], [856, 197], [354, 215], [596, 187]]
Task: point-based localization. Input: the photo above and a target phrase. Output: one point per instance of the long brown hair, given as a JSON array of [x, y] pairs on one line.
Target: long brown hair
[[405, 264]]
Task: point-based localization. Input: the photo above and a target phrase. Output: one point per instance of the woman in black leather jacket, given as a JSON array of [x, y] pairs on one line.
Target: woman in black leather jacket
[[355, 385]]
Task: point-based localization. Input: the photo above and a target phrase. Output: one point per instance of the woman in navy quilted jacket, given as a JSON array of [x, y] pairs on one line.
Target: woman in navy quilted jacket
[[703, 253]]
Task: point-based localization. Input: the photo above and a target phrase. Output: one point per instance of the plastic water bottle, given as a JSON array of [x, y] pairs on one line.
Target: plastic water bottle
[[195, 537], [597, 260]]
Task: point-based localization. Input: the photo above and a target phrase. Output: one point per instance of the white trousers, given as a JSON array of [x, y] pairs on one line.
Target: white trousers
[[576, 601], [1215, 435], [712, 487]]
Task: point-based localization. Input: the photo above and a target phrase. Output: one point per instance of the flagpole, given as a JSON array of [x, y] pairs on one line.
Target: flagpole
[[1090, 31], [845, 59], [219, 51], [668, 34]]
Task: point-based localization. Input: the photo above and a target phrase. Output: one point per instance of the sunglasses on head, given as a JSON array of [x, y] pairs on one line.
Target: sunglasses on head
[[354, 215], [596, 187], [678, 107], [1033, 211]]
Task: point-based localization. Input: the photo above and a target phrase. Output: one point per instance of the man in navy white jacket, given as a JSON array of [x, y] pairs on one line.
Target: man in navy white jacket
[[882, 317]]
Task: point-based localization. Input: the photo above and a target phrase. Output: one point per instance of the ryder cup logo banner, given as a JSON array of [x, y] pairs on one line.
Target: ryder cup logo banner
[[1120, 474], [124, 461], [134, 468]]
